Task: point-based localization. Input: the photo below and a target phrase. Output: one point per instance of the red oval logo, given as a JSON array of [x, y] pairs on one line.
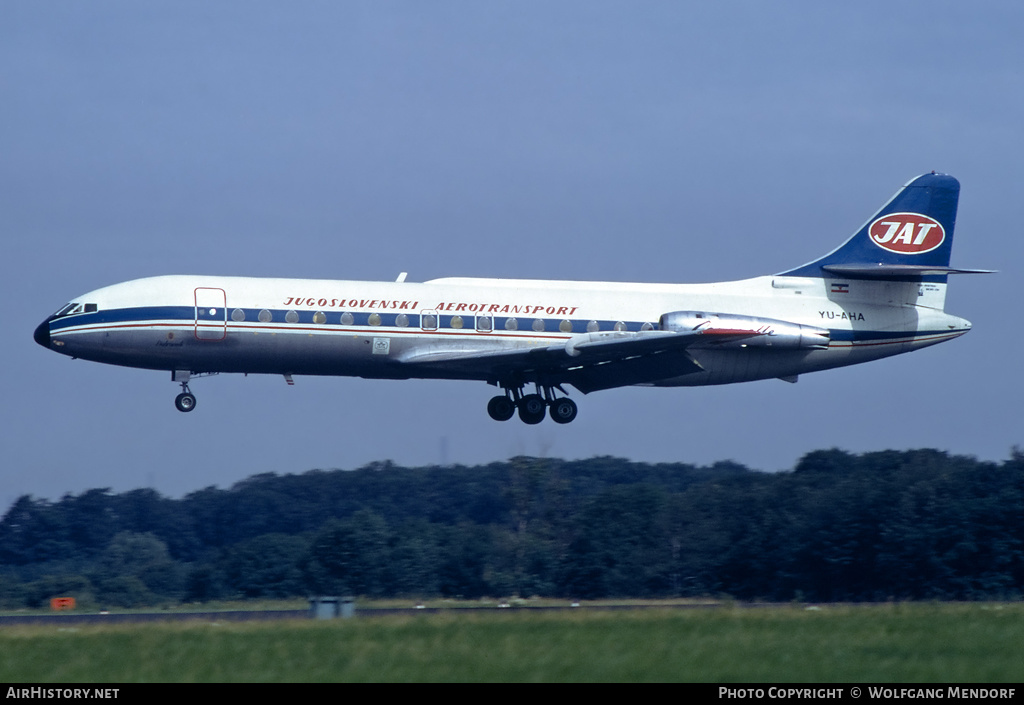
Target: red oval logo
[[907, 233]]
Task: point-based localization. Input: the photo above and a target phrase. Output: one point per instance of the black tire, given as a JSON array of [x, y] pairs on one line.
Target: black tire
[[185, 402], [501, 408], [532, 409], [563, 410]]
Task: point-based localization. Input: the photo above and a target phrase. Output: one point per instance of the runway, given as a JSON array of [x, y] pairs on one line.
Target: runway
[[70, 618]]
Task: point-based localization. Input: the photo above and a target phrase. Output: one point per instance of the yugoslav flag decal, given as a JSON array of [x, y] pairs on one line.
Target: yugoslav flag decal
[[907, 233]]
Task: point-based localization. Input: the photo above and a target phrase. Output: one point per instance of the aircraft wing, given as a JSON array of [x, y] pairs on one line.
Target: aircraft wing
[[589, 361]]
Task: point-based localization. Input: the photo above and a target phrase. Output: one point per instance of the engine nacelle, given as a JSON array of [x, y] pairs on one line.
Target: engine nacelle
[[727, 330]]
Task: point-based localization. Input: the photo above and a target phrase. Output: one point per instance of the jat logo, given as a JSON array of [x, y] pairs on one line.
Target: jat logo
[[907, 233]]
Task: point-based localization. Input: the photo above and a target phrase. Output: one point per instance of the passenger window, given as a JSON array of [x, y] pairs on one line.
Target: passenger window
[[511, 324], [538, 324], [620, 326], [291, 317], [319, 317], [647, 326], [238, 315], [401, 320], [456, 322], [483, 323], [428, 321], [266, 316], [565, 326], [593, 327], [347, 319], [374, 319]]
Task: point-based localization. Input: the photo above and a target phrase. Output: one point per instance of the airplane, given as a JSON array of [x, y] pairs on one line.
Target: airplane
[[880, 293]]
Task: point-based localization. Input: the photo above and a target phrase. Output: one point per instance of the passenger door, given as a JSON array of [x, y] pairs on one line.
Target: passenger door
[[211, 314]]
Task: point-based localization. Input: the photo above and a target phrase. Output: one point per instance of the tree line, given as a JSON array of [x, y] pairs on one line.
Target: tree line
[[916, 524]]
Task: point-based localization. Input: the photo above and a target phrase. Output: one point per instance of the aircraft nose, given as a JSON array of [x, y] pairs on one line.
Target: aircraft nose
[[42, 334]]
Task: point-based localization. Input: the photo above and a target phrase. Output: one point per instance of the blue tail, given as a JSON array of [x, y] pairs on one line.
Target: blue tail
[[911, 237]]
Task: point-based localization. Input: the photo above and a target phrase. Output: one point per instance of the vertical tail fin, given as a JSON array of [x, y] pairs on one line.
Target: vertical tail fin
[[910, 237]]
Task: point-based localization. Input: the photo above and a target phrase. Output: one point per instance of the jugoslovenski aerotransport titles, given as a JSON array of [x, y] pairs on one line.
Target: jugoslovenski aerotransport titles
[[880, 293]]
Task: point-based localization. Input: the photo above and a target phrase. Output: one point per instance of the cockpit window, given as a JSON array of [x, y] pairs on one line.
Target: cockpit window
[[75, 308]]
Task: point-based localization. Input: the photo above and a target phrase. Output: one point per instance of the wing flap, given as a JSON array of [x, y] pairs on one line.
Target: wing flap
[[631, 370]]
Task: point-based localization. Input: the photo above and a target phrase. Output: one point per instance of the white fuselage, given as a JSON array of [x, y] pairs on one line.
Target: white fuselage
[[396, 329]]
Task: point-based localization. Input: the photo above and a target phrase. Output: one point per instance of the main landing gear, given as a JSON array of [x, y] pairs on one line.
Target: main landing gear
[[532, 407]]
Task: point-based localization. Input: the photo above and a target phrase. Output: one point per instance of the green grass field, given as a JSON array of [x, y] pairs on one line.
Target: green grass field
[[979, 642]]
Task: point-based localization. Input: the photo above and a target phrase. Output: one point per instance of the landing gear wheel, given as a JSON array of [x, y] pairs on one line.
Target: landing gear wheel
[[531, 409], [563, 410], [501, 408], [185, 401]]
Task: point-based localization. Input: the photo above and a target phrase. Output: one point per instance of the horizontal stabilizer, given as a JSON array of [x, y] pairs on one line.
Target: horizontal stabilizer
[[896, 271]]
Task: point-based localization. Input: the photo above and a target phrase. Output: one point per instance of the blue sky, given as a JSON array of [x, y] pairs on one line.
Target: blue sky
[[639, 141]]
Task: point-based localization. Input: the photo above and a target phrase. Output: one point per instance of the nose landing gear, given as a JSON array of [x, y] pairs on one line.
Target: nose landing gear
[[532, 407], [186, 401]]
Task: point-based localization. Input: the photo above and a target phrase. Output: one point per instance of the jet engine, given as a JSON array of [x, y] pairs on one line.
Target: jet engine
[[733, 331]]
